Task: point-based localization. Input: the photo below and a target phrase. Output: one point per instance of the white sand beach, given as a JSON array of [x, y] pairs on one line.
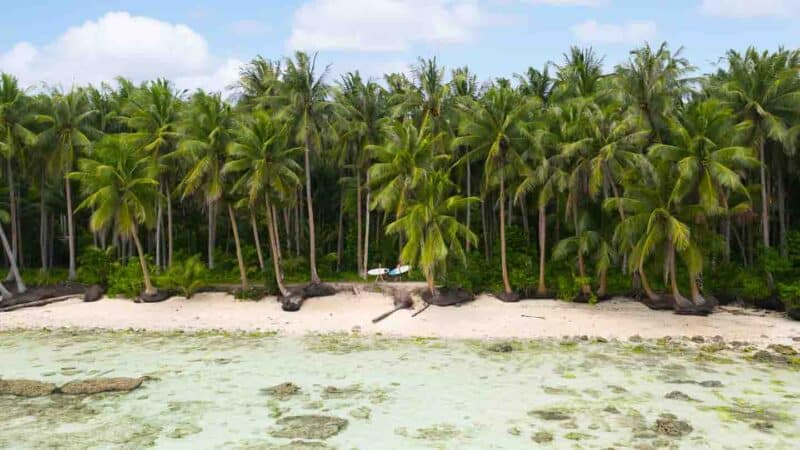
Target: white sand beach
[[485, 317]]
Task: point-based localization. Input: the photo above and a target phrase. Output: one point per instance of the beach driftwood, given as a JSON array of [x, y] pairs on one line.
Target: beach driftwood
[[42, 302], [402, 300]]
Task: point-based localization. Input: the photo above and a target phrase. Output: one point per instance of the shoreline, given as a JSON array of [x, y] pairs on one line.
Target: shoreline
[[484, 318]]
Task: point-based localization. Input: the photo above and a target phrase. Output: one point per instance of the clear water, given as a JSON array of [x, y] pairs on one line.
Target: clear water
[[207, 391]]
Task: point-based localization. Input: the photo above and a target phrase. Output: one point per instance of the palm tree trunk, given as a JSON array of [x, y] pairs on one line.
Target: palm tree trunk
[[257, 240], [12, 206], [42, 225], [503, 265], [484, 229], [4, 293], [541, 289], [239, 258], [467, 243], [312, 237], [359, 254], [782, 212], [169, 225], [159, 223], [272, 245], [429, 281], [340, 234], [648, 291], [680, 300], [585, 287], [70, 232], [277, 239], [366, 228], [523, 208], [148, 286], [14, 270], [764, 199], [211, 233]]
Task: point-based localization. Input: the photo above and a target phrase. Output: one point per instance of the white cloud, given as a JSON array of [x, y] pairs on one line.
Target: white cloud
[[567, 2], [384, 25], [117, 44], [750, 8], [593, 32]]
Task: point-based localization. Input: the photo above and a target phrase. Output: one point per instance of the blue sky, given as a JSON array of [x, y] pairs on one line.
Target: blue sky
[[201, 44]]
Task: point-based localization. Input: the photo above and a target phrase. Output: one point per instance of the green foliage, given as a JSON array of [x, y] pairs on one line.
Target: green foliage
[[95, 265], [186, 276], [37, 277], [790, 295], [125, 279]]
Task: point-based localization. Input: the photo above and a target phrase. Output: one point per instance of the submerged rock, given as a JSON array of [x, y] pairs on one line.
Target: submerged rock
[[343, 392], [309, 427], [98, 385], [283, 390], [362, 413], [764, 356], [26, 388], [500, 347], [784, 350], [678, 395], [550, 414], [302, 445], [711, 384], [542, 437], [670, 425]]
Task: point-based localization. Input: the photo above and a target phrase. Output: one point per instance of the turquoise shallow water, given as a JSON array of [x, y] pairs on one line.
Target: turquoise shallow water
[[208, 391]]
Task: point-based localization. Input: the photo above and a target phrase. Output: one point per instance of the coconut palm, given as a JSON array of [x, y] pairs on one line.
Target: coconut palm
[[492, 129], [304, 96], [430, 226], [764, 90], [264, 162], [120, 185], [207, 124], [68, 131], [153, 113], [14, 137]]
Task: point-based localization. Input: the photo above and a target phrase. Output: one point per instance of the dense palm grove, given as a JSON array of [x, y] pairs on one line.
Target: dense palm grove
[[569, 180]]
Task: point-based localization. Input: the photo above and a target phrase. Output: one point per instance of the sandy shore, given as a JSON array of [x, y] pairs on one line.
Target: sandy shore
[[486, 317]]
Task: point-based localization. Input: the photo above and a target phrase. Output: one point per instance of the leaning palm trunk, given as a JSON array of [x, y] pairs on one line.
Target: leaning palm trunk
[[257, 240], [541, 289], [366, 231], [12, 206], [12, 262], [680, 300], [239, 258], [312, 237], [70, 231], [148, 286], [211, 233], [645, 283], [504, 266], [272, 245]]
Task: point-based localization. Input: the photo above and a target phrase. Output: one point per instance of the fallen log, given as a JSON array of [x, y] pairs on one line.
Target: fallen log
[[42, 302], [427, 305], [402, 300]]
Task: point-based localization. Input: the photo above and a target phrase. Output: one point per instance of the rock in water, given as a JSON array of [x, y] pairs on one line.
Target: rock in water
[[283, 390], [318, 290], [678, 395], [302, 445], [26, 388], [98, 385], [94, 293], [670, 425], [309, 427]]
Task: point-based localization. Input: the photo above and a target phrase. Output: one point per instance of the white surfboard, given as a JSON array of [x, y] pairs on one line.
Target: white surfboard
[[378, 271], [399, 270]]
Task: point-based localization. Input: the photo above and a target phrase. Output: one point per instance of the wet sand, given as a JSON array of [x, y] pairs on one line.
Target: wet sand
[[486, 317]]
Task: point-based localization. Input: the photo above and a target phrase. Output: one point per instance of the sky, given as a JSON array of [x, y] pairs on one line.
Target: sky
[[202, 44]]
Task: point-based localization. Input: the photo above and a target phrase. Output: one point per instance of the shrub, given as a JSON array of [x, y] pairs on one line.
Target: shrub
[[125, 279], [95, 265], [790, 297], [187, 276]]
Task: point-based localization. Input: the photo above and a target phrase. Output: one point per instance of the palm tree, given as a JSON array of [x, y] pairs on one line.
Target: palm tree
[[430, 226], [584, 243], [267, 170], [68, 131], [208, 124], [651, 85], [492, 129], [764, 90], [14, 136], [153, 112], [259, 83], [579, 75], [305, 102], [120, 185]]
